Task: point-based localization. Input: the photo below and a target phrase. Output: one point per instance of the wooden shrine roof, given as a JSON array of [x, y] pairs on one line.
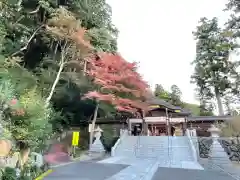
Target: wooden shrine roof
[[157, 103]]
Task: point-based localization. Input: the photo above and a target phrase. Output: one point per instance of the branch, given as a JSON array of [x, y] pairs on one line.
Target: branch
[[61, 66], [35, 11], [29, 40], [64, 49]]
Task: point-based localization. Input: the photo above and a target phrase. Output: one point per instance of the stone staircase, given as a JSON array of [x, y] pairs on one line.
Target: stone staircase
[[164, 148], [127, 146], [175, 148], [217, 153], [180, 149], [153, 147]]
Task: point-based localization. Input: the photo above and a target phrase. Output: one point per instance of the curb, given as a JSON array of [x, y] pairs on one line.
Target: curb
[[43, 175]]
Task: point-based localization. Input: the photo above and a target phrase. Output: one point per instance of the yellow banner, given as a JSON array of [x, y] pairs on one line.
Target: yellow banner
[[75, 138]]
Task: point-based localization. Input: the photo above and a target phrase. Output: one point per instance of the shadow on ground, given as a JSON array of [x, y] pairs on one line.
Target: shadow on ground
[[85, 171]]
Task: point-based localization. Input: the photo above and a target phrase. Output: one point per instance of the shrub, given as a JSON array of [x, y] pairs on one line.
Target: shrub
[[231, 128], [9, 174]]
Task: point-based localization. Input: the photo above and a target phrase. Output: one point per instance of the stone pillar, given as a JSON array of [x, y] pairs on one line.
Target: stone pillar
[[217, 153], [193, 132]]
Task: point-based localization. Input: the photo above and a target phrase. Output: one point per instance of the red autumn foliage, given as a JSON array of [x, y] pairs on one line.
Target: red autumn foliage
[[115, 75], [13, 101]]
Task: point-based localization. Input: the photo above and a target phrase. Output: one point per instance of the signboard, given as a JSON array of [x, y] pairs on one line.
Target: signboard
[[75, 138], [154, 106], [177, 111]]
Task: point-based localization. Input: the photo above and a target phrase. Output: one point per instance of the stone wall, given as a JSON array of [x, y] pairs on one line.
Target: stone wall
[[231, 147], [204, 145]]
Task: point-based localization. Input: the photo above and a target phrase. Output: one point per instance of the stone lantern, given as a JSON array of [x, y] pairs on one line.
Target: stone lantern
[[214, 132], [217, 152], [97, 145]]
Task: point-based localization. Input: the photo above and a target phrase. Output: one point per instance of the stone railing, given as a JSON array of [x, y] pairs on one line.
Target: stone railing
[[123, 134], [191, 134]]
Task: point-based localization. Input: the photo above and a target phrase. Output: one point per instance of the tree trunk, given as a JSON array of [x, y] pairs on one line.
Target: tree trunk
[[54, 84], [93, 124], [24, 155], [85, 68], [219, 102]]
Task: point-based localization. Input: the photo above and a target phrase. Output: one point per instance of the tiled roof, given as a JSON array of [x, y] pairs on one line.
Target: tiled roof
[[156, 101]]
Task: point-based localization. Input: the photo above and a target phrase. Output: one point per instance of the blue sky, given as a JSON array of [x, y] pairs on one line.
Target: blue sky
[[158, 35]]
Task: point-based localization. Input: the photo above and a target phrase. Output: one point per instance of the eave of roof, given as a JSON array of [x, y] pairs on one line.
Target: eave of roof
[[208, 118]]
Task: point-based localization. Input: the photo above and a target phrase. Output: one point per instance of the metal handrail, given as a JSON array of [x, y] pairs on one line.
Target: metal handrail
[[119, 141], [137, 146], [194, 151]]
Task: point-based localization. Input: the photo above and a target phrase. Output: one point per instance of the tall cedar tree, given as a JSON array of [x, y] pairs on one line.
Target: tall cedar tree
[[119, 84], [214, 72]]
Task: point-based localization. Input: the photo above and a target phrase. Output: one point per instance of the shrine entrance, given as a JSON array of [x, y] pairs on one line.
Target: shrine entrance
[[157, 129], [157, 126]]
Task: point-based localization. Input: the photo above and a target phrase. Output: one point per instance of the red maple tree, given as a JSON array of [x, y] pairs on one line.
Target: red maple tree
[[117, 79]]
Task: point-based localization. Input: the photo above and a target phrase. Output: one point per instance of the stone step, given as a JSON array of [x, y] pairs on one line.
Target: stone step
[[140, 171], [152, 147]]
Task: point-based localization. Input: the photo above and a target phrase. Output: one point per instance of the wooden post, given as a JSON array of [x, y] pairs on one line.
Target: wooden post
[[129, 127], [167, 123], [74, 152], [153, 132]]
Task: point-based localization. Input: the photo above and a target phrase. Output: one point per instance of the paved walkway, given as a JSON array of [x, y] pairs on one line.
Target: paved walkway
[[155, 159], [138, 171], [228, 169], [84, 171], [160, 162]]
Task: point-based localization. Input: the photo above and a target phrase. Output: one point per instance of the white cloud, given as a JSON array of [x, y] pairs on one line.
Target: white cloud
[[158, 34]]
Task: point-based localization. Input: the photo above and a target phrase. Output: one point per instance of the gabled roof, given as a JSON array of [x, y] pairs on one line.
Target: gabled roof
[[157, 101], [177, 109]]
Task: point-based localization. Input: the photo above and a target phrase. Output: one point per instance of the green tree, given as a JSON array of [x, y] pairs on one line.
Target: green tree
[[24, 35], [161, 93], [233, 23], [193, 108], [206, 105], [214, 73], [176, 95], [24, 118]]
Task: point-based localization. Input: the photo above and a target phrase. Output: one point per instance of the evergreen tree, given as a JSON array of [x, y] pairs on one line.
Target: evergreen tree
[[176, 95], [214, 72]]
